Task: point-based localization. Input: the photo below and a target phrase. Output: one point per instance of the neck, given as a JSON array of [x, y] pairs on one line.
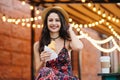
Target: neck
[[54, 36]]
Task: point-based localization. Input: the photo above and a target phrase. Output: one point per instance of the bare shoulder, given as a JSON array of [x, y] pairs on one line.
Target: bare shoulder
[[68, 44]]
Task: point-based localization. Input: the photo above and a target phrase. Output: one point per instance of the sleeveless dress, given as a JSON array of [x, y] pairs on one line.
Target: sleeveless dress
[[58, 69]]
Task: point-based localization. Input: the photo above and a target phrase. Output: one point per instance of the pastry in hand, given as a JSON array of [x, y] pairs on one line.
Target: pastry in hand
[[52, 45]]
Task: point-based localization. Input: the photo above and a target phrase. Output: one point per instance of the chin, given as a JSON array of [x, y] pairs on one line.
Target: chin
[[54, 30]]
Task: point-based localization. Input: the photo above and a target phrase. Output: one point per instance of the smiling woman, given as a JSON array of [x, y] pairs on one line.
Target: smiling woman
[[57, 32]]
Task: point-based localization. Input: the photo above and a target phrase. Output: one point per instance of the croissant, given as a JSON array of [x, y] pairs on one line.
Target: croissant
[[52, 45]]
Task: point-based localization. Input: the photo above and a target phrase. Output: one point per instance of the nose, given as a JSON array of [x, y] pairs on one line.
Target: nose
[[54, 22]]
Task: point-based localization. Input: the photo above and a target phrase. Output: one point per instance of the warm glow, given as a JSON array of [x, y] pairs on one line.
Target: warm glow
[[99, 12], [83, 0], [117, 20], [39, 17], [103, 15], [28, 25], [31, 7], [113, 19], [109, 18], [4, 18], [89, 4], [37, 11], [107, 23], [85, 26], [23, 2], [33, 25], [23, 24], [81, 26], [70, 19], [38, 26], [94, 9]]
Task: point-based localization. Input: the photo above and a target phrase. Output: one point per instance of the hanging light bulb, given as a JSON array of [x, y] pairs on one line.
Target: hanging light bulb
[[23, 20], [28, 24], [35, 18], [104, 15], [99, 12], [110, 27], [4, 18], [89, 4], [107, 23], [113, 19], [78, 29], [38, 26], [94, 8], [93, 24], [81, 26], [31, 7], [102, 20], [96, 23], [13, 20], [23, 24], [85, 26], [70, 19], [83, 0], [37, 11], [31, 19], [27, 20], [117, 20], [16, 22], [39, 17], [9, 20], [33, 25], [76, 26], [90, 25], [23, 2], [109, 17]]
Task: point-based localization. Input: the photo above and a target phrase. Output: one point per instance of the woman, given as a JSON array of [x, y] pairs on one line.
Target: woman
[[56, 28]]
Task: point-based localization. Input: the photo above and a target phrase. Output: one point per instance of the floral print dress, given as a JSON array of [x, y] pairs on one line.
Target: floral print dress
[[58, 69]]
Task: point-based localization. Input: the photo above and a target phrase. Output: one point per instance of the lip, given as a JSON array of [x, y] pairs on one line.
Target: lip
[[53, 27]]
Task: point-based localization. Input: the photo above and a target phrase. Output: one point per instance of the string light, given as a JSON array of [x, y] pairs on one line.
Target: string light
[[103, 14], [97, 43], [113, 31], [77, 26]]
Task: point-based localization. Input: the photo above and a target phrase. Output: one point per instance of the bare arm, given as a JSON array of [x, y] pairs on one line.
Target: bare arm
[[75, 43], [37, 62]]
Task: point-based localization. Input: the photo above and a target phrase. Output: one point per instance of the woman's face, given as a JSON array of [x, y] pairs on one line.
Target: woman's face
[[53, 22]]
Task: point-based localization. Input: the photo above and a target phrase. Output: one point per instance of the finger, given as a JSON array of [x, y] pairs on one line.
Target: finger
[[45, 55]]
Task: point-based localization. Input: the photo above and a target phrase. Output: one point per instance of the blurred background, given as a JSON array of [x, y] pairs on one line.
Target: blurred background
[[96, 23]]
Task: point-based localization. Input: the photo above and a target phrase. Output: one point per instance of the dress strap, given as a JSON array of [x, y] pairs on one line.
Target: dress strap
[[64, 43]]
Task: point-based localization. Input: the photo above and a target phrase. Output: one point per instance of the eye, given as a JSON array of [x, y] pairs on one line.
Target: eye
[[57, 20], [50, 20]]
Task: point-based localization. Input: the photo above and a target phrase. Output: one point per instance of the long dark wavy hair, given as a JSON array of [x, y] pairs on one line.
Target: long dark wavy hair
[[45, 35]]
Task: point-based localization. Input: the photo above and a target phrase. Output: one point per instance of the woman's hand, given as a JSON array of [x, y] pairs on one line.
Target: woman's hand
[[44, 56], [75, 43], [70, 27]]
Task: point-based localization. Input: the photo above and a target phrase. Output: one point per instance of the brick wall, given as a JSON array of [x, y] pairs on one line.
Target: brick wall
[[90, 64], [15, 53]]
